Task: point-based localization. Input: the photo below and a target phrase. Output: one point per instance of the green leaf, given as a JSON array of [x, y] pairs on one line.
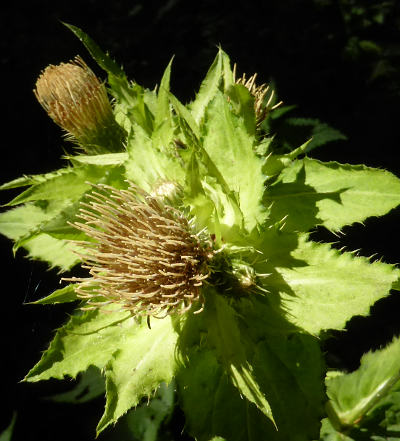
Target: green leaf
[[68, 183], [396, 284], [104, 159], [224, 334], [145, 422], [230, 148], [163, 111], [195, 197], [248, 338], [56, 252], [288, 367], [140, 112], [103, 60], [328, 432], [23, 181], [62, 295], [41, 227], [219, 71], [148, 166], [313, 193], [274, 164], [164, 127], [22, 224], [20, 221], [387, 412], [32, 179], [6, 435], [354, 395], [212, 203], [61, 225], [320, 132], [141, 362], [213, 406], [89, 339], [319, 287], [89, 386]]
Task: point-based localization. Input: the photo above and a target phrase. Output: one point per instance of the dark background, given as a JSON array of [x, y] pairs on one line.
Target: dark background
[[337, 60]]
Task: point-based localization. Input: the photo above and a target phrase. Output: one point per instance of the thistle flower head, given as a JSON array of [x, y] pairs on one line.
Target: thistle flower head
[[262, 105], [144, 254], [77, 101]]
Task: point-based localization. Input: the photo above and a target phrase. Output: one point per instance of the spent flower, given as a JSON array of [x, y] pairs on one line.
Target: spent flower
[[144, 254]]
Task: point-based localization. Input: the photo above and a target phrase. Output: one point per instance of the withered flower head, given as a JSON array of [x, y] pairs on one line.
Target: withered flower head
[[77, 101], [144, 255], [262, 108]]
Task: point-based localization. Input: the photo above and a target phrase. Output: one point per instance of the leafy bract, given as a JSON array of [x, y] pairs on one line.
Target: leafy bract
[[23, 225], [149, 167], [62, 295], [104, 159], [213, 406], [311, 193], [319, 287], [230, 147], [365, 404], [219, 72], [87, 339], [102, 58], [69, 183], [292, 130], [136, 359], [224, 334], [42, 225], [288, 367], [141, 361], [20, 221], [212, 203], [57, 253], [353, 395], [250, 348]]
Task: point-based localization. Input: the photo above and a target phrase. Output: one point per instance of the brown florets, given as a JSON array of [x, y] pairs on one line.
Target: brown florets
[[262, 106], [77, 101], [144, 255]]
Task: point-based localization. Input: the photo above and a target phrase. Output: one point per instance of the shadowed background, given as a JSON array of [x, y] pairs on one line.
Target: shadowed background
[[338, 61]]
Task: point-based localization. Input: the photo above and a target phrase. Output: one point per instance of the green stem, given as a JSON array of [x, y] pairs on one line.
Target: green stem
[[353, 417]]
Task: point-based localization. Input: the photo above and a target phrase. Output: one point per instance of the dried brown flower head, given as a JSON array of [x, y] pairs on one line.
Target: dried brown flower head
[[77, 101], [262, 105], [144, 255]]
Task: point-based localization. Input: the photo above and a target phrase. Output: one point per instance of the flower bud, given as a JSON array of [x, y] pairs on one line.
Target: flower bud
[[77, 101], [261, 108]]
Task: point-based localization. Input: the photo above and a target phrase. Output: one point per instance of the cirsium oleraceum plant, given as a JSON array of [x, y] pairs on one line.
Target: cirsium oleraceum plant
[[194, 234]]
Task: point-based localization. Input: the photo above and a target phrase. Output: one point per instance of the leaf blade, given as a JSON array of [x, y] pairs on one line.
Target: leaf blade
[[314, 193], [322, 288], [135, 373]]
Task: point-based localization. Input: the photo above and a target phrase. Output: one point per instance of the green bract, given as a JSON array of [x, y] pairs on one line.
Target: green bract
[[249, 366]]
